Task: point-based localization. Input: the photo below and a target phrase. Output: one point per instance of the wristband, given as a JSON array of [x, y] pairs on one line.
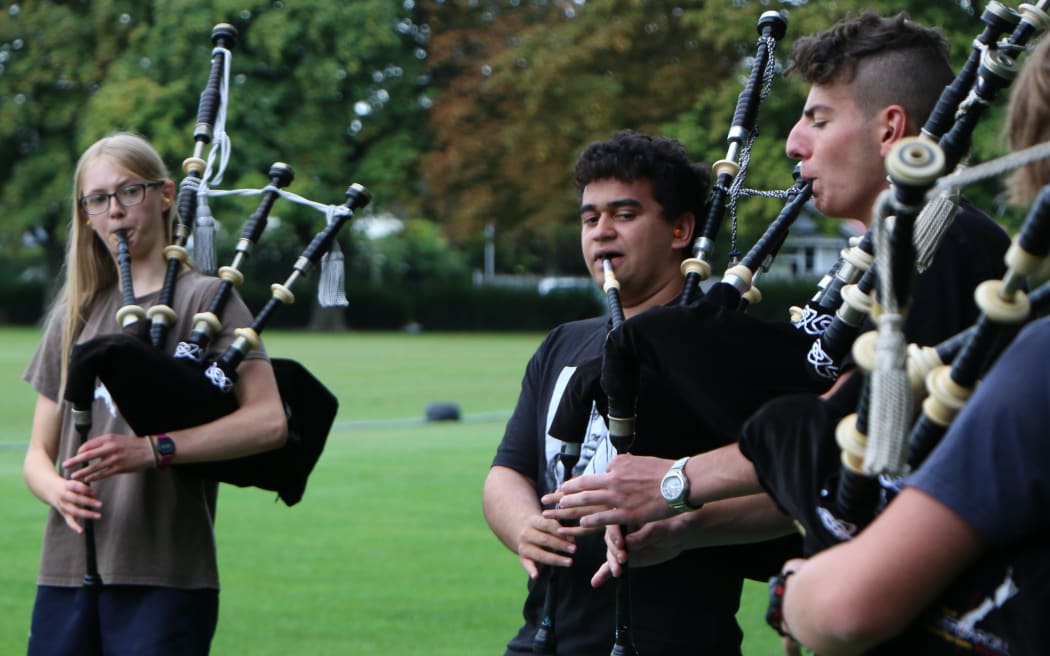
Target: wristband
[[153, 449], [775, 611]]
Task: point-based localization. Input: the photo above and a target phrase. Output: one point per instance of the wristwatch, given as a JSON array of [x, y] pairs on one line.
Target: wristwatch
[[674, 487], [165, 450]]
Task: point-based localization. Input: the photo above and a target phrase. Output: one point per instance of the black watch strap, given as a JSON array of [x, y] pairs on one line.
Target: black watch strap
[[775, 611]]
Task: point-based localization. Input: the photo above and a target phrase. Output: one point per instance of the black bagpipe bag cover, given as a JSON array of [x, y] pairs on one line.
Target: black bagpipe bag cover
[[157, 393]]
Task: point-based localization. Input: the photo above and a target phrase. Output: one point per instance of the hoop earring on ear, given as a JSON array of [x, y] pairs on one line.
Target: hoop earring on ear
[[87, 222]]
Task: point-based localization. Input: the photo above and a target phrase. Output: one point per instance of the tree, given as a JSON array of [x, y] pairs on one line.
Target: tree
[[522, 86], [334, 89]]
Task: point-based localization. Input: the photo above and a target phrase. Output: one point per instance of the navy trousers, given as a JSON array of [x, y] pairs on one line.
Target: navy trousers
[[115, 620]]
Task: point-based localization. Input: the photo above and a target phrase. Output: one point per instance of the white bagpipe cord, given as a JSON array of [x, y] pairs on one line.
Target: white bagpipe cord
[[890, 404], [204, 229], [331, 286]]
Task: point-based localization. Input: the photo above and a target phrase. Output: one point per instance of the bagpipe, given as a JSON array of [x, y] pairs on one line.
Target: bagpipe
[[158, 391], [144, 381], [696, 369]]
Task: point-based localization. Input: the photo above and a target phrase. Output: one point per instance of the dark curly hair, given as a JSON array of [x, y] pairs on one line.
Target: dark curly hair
[[885, 61], [679, 184]]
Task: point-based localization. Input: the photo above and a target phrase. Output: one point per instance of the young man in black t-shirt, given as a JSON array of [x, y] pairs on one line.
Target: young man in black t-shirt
[[639, 200]]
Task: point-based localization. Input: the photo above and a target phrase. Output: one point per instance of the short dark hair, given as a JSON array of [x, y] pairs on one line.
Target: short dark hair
[[886, 60], [679, 184]]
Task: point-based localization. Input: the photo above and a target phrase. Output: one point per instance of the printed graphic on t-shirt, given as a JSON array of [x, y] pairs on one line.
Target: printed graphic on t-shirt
[[961, 629], [596, 450]]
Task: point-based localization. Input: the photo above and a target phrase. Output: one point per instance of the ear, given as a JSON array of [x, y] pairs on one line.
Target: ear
[[168, 189], [682, 230], [892, 126]]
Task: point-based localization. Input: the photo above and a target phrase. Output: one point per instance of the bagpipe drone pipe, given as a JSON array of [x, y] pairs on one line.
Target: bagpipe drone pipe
[[209, 130], [730, 171]]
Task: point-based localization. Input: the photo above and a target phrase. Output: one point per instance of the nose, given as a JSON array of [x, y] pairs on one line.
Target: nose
[[797, 146], [115, 208], [605, 228]]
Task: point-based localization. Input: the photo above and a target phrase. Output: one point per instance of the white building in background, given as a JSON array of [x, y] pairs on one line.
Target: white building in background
[[807, 252]]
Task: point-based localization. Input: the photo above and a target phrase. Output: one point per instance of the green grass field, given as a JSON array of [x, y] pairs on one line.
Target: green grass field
[[388, 552]]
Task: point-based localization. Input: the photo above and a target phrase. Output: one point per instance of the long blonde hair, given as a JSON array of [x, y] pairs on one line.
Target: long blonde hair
[[89, 267], [1028, 123]]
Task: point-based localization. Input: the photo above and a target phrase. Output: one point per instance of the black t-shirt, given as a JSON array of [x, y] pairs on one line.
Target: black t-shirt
[[685, 606]]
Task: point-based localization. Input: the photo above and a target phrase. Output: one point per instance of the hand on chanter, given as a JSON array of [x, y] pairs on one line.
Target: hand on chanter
[[650, 544], [107, 455], [628, 493], [76, 501], [540, 544], [547, 542]]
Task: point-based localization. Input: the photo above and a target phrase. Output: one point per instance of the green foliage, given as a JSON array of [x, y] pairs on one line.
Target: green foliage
[[418, 253], [331, 88], [467, 113], [22, 283], [449, 307], [537, 83]]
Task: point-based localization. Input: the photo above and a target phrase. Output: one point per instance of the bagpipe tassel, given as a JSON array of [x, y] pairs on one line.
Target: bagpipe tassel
[[890, 401], [204, 236], [931, 226], [331, 288]]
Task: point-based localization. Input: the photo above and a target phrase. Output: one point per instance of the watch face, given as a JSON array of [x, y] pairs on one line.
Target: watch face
[[165, 446], [671, 487]]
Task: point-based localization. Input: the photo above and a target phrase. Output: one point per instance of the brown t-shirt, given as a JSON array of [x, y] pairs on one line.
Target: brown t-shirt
[[157, 525]]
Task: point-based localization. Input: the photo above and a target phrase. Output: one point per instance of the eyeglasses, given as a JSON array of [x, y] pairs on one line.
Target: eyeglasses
[[128, 196]]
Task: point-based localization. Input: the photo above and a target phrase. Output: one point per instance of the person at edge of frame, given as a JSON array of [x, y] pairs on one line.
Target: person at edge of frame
[[962, 554]]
